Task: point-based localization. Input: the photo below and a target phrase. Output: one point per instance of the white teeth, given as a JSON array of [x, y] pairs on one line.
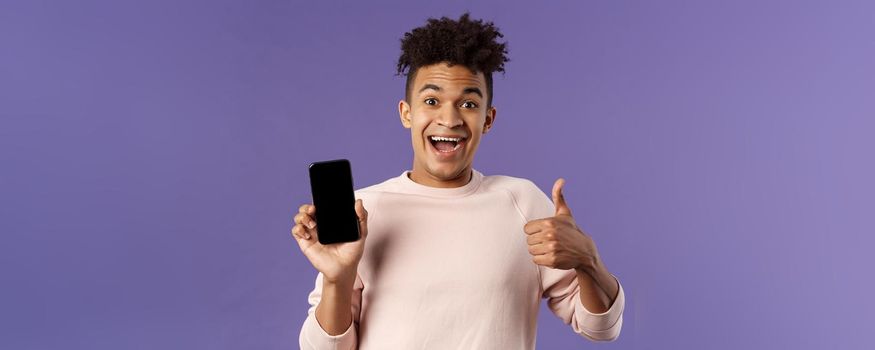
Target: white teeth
[[451, 139]]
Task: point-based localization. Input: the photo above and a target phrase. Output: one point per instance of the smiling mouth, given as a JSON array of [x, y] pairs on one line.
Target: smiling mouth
[[446, 144]]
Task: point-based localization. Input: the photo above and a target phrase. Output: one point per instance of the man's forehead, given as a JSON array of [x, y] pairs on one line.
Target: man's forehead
[[445, 78]]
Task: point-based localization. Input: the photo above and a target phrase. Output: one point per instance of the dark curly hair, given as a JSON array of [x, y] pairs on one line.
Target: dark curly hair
[[471, 43]]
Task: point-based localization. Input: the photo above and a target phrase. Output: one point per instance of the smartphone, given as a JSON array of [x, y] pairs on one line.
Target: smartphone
[[333, 196]]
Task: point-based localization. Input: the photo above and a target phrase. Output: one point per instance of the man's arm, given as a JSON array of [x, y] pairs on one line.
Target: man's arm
[[333, 311], [565, 298], [325, 326], [336, 297], [590, 298]]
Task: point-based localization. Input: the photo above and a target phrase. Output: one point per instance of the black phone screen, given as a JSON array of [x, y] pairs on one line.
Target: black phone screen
[[333, 196]]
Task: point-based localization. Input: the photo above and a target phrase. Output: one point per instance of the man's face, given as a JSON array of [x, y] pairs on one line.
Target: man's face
[[447, 116]]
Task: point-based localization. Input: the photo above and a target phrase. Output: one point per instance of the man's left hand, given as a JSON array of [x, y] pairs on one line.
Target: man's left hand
[[557, 242]]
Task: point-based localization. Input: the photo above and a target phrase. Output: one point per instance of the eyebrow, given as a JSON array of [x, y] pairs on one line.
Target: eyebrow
[[468, 90]]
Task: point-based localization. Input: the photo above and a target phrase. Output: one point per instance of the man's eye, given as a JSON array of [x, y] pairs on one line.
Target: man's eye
[[470, 104], [429, 100]]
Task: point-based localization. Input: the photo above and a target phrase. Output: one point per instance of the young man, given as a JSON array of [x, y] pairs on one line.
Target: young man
[[454, 259]]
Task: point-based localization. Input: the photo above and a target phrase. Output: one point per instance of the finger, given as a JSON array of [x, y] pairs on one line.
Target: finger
[[362, 216], [309, 233], [547, 235], [540, 248], [304, 242], [538, 238], [534, 226], [305, 219], [309, 221], [559, 198], [544, 259], [300, 232], [540, 225], [310, 210], [304, 208]]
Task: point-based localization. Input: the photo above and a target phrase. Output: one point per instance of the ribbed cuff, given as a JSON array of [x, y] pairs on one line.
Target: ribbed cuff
[[601, 323], [313, 336]]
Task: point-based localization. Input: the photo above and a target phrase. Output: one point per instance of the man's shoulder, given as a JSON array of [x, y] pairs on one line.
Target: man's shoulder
[[517, 186], [370, 195], [386, 186], [531, 202]]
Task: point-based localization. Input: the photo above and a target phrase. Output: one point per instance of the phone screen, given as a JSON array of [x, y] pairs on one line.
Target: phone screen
[[333, 196]]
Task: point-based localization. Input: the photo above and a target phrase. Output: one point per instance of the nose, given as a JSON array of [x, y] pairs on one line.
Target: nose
[[450, 119]]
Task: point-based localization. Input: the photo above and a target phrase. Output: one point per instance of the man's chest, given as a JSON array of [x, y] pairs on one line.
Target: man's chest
[[476, 243]]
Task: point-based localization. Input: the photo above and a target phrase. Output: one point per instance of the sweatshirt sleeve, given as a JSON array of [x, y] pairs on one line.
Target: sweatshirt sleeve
[[563, 298], [314, 337]]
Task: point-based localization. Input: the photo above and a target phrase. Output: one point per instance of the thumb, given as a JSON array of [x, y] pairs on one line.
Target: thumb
[[559, 199], [362, 216]]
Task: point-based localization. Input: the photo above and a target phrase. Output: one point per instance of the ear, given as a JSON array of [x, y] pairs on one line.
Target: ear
[[490, 119], [404, 113]]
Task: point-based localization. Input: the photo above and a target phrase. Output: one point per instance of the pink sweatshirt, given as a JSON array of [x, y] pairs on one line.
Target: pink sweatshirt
[[449, 268]]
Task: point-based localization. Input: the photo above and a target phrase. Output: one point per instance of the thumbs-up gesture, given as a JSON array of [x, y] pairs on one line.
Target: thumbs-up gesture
[[557, 242]]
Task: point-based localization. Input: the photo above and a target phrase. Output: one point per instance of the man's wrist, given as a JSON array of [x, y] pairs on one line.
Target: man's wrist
[[596, 271], [347, 276], [340, 283], [591, 265], [599, 274]]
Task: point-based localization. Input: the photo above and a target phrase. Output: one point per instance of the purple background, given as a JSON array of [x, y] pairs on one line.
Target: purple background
[[152, 152]]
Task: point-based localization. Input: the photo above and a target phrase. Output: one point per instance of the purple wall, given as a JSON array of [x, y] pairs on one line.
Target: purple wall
[[720, 154]]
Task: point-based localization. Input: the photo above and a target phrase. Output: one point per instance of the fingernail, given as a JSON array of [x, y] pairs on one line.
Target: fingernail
[[311, 224], [307, 236]]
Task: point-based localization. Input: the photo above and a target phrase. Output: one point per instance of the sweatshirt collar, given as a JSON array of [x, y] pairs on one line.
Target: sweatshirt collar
[[413, 187]]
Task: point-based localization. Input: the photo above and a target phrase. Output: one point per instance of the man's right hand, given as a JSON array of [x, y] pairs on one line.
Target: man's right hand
[[337, 262]]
